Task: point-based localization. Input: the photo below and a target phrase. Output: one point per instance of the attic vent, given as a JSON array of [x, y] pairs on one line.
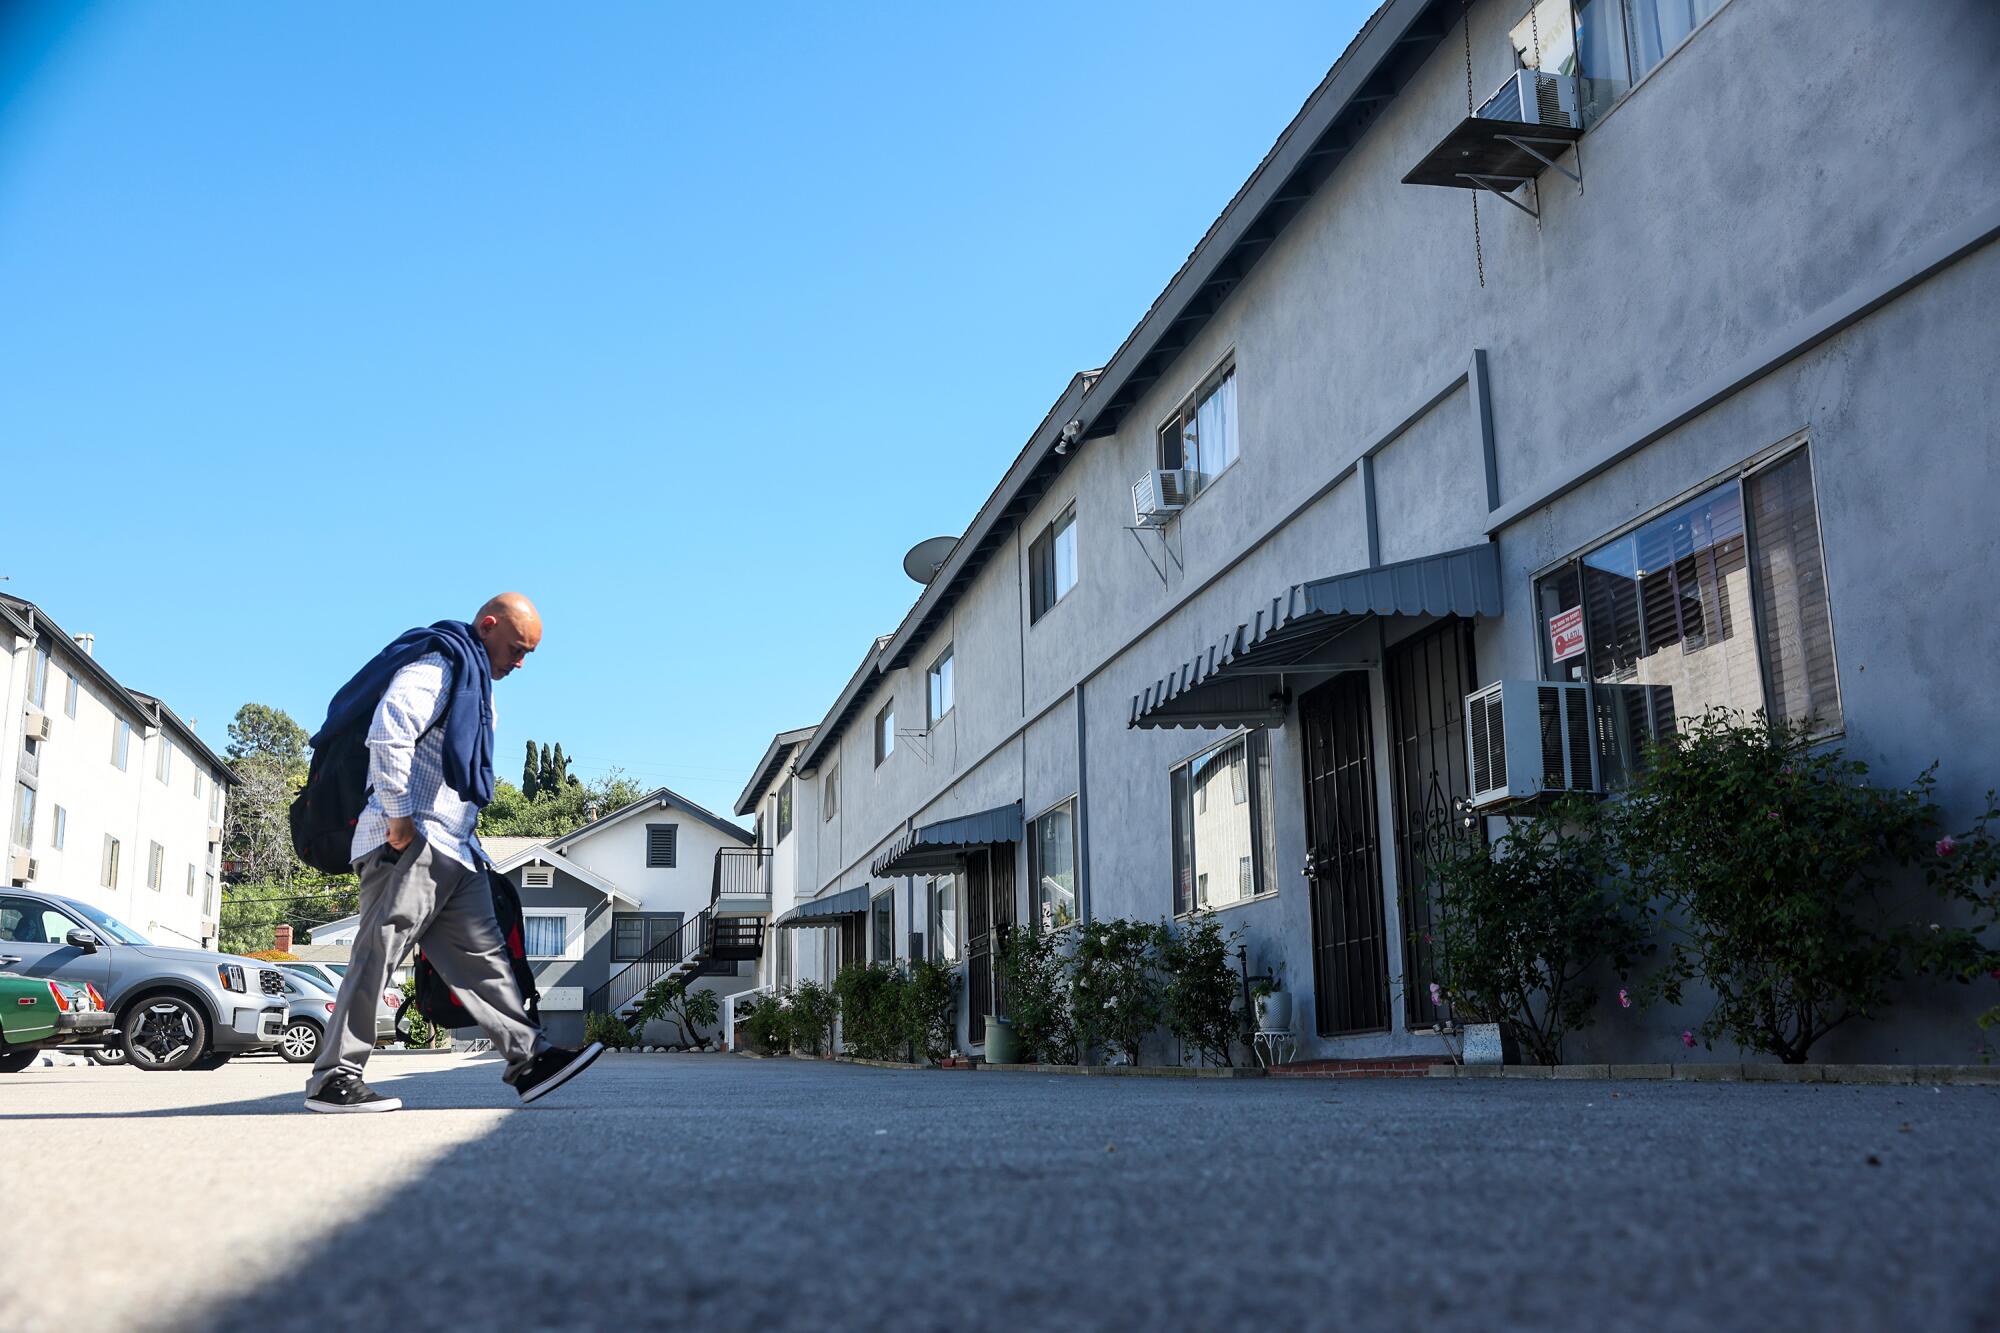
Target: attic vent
[[662, 844], [538, 877]]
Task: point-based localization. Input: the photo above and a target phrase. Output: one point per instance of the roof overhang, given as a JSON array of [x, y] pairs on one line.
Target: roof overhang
[[939, 846], [660, 798], [1240, 679], [828, 910], [781, 748], [541, 856]]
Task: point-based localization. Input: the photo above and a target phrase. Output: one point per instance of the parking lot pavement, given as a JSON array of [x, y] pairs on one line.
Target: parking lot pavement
[[721, 1192]]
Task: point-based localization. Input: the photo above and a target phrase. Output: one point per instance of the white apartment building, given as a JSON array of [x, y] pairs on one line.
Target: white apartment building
[[112, 798]]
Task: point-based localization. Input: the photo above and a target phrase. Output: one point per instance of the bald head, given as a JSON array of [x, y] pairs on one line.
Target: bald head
[[511, 628]]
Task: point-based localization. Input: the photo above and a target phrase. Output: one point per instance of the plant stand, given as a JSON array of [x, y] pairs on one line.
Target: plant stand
[[1275, 1046]]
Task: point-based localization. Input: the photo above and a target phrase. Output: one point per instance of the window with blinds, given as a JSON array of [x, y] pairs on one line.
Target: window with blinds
[[662, 844], [1719, 602]]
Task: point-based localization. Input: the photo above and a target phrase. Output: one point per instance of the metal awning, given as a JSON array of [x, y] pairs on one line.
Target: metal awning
[[1239, 681], [938, 846], [827, 911]]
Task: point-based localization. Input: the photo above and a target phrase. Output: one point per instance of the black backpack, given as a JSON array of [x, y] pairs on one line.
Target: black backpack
[[437, 1002], [328, 807]]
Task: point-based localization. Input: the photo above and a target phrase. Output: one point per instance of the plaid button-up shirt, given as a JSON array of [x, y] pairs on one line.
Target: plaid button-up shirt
[[406, 774]]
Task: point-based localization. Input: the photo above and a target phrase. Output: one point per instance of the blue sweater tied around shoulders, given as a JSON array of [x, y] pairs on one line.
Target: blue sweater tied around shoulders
[[468, 720]]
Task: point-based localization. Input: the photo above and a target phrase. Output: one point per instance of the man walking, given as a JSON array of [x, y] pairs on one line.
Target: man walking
[[423, 873]]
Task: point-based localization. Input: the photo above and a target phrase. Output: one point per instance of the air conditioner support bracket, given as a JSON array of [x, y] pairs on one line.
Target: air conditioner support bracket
[[1501, 185], [1526, 143], [1166, 549]]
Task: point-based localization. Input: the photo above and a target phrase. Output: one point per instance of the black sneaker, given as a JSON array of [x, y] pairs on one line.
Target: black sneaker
[[551, 1069], [346, 1092]]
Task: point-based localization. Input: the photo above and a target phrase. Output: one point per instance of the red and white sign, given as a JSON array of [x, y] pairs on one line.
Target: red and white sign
[[1565, 634]]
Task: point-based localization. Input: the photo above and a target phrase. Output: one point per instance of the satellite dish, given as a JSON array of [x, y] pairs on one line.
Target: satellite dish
[[927, 557]]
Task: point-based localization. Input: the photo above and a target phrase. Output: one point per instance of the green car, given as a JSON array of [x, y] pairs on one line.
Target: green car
[[35, 1013]]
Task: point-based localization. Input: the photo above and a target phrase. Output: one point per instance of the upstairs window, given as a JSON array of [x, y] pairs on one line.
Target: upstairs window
[[1052, 564], [885, 733], [163, 764], [662, 845], [69, 698], [829, 794], [38, 676], [939, 680], [785, 810], [1200, 437], [156, 864], [1719, 602], [121, 744], [1616, 42], [107, 871]]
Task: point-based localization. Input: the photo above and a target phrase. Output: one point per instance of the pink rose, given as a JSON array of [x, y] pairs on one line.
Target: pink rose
[[1687, 1038], [1437, 995], [1624, 1000], [1947, 845]]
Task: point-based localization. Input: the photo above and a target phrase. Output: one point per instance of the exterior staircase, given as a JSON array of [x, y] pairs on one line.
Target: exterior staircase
[[730, 929]]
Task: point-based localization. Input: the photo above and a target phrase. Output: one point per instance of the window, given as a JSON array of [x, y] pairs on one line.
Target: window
[[1052, 866], [1222, 823], [662, 845], [1719, 602], [1052, 564], [215, 804], [885, 732], [190, 888], [829, 794], [1200, 438], [784, 820], [940, 688], [208, 893], [107, 873], [882, 923], [942, 908], [38, 676], [60, 831], [24, 815], [197, 780], [121, 743], [69, 698], [1620, 42], [156, 864], [163, 766], [25, 921], [554, 934], [639, 934]]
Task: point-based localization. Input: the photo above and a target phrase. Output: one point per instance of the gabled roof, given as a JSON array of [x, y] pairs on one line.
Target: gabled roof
[[1398, 37], [540, 854], [500, 846], [781, 748], [660, 798], [146, 709]]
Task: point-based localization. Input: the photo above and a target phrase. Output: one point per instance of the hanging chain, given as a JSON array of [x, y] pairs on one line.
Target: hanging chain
[[1535, 27], [1465, 19]]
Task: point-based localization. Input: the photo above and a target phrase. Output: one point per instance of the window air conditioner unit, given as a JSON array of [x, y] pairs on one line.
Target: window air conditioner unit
[[1533, 97], [1525, 738], [1158, 496], [38, 728], [21, 867]]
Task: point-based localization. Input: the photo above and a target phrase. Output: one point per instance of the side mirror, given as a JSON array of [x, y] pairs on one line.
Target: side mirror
[[82, 939]]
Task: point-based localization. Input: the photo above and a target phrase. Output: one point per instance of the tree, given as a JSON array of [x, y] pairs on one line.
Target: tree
[[263, 732], [552, 813], [545, 776], [563, 778], [530, 771], [269, 752], [251, 911]]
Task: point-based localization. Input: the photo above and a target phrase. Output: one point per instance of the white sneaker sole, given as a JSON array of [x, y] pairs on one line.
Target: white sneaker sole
[[329, 1108], [569, 1071]]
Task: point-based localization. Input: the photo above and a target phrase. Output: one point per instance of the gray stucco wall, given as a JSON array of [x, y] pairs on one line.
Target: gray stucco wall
[[1788, 155]]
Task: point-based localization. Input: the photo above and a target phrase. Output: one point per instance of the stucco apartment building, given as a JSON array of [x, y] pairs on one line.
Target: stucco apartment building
[[113, 799], [1702, 413]]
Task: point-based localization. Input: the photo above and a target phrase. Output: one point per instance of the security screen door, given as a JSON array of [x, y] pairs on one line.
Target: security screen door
[[1344, 858]]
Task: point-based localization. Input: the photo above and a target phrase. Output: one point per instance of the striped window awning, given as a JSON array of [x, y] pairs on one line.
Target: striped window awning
[[938, 846]]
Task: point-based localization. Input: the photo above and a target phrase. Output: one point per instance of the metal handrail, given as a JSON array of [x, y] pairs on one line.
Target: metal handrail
[[689, 943], [739, 873]]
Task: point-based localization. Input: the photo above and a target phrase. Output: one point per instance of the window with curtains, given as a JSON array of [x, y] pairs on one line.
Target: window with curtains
[[1200, 436], [1052, 867], [1612, 45], [1719, 602], [546, 936], [1222, 821]]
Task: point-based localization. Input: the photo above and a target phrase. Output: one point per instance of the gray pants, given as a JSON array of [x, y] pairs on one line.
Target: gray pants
[[422, 896]]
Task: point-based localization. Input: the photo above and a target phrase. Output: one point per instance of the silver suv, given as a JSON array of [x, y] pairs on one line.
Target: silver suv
[[175, 1008]]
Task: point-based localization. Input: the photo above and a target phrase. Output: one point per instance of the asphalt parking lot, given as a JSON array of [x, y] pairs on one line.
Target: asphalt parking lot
[[730, 1193]]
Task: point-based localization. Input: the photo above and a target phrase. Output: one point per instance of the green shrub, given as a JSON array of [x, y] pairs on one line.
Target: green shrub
[[1116, 994], [1034, 982], [688, 1009], [1770, 859], [812, 1009], [870, 999], [607, 1028], [768, 1027], [422, 1034], [930, 1008], [1198, 997], [1520, 928]]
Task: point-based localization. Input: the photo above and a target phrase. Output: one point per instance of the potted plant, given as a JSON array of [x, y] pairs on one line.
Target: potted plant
[[1273, 1001]]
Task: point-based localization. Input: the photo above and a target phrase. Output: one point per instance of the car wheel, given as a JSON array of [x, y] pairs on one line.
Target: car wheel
[[107, 1055], [13, 1062], [164, 1032], [300, 1041]]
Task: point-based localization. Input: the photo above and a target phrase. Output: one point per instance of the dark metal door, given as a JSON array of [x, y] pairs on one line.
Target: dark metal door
[[1344, 859], [989, 909], [1428, 678]]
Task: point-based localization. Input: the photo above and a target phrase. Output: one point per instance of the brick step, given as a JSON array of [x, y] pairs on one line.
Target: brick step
[[1401, 1066]]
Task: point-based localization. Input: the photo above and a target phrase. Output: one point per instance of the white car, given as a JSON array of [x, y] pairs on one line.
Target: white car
[[321, 982]]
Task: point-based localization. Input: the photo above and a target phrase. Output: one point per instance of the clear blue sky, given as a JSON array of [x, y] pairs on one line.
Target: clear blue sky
[[322, 320]]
